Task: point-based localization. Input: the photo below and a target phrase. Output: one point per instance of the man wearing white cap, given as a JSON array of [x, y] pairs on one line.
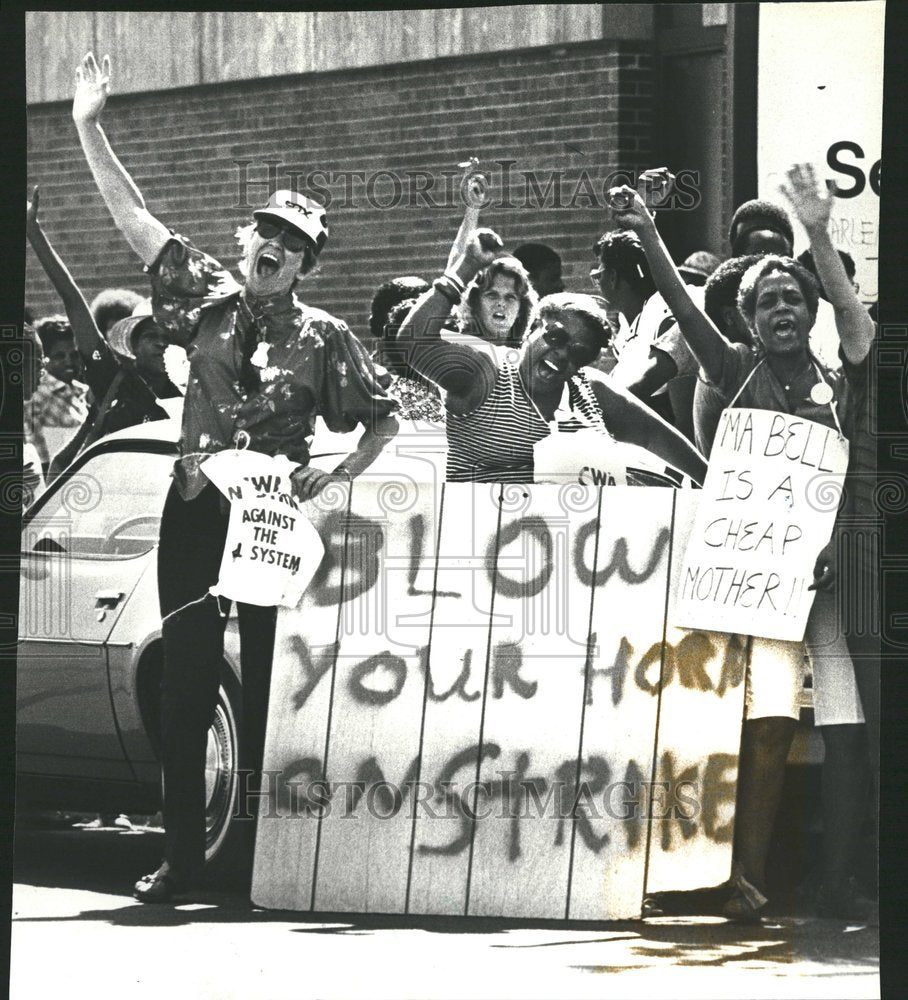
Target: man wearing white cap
[[261, 366]]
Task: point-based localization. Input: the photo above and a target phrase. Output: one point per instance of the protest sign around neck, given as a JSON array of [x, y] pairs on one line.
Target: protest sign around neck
[[767, 508], [272, 549]]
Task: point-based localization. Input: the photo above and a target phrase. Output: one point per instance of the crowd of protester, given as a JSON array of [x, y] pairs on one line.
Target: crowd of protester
[[497, 352]]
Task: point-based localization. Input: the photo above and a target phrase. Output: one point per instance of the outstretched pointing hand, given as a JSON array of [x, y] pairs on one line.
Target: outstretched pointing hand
[[92, 88]]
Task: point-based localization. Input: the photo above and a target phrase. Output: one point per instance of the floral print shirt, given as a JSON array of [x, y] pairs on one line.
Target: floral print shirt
[[417, 400], [312, 365]]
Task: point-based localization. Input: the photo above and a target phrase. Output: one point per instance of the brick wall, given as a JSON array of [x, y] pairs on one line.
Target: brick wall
[[568, 115]]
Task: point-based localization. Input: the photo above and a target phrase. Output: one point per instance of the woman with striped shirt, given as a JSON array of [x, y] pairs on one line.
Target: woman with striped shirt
[[502, 400]]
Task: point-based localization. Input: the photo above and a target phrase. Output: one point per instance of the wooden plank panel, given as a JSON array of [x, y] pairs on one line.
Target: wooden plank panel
[[148, 50], [533, 707], [630, 557], [302, 678], [373, 754], [701, 707], [456, 669], [55, 42]]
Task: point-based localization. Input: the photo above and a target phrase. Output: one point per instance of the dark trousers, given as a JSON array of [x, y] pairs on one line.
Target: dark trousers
[[189, 557]]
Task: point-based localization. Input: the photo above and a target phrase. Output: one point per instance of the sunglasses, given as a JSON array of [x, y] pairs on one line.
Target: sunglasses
[[293, 241], [579, 354], [595, 274]]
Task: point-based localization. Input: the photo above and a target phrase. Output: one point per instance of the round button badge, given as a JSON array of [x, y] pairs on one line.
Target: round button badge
[[821, 393]]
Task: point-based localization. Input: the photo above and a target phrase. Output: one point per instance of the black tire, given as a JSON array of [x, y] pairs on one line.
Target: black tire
[[222, 761]]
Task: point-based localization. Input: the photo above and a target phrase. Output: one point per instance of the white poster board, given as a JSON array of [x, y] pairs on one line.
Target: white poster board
[[820, 72], [767, 508], [271, 551], [590, 458]]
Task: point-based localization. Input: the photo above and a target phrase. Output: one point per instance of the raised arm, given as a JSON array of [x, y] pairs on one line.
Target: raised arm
[[144, 233], [707, 344], [466, 372], [813, 209], [88, 337], [635, 423], [475, 190]]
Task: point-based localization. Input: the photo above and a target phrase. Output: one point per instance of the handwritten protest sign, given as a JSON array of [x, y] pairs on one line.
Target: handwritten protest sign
[[696, 760], [533, 712], [487, 744], [592, 458], [457, 670], [272, 550], [305, 655], [377, 699], [626, 570], [767, 509]]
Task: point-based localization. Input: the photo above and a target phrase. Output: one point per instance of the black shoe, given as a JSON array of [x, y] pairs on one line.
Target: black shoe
[[161, 886]]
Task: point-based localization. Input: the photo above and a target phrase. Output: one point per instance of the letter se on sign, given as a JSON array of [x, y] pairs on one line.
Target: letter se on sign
[[856, 173]]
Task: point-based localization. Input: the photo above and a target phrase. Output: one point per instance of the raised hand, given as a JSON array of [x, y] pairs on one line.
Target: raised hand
[[482, 248], [474, 185], [628, 209], [31, 210], [811, 205], [825, 570], [92, 88], [655, 185]]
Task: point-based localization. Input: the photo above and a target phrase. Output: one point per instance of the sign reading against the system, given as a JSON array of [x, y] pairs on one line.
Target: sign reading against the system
[[767, 509], [272, 550]]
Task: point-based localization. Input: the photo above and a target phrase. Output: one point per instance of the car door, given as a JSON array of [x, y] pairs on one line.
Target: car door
[[85, 544]]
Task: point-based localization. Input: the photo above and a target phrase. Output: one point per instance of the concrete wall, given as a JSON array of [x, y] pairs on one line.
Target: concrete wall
[[159, 51], [203, 155]]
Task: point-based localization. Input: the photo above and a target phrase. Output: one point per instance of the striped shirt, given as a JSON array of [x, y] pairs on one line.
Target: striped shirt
[[494, 442]]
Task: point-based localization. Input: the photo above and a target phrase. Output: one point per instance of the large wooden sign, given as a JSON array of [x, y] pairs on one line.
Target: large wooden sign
[[767, 508], [478, 708]]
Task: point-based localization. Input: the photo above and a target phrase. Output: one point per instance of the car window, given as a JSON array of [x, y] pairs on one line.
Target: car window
[[111, 506]]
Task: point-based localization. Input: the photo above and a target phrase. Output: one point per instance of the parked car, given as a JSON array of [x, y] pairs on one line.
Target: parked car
[[89, 661], [90, 658], [90, 651]]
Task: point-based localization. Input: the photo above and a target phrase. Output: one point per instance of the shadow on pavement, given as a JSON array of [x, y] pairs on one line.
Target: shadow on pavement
[[109, 861], [695, 942]]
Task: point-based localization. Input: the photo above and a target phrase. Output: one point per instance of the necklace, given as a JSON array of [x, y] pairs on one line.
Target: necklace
[[794, 378]]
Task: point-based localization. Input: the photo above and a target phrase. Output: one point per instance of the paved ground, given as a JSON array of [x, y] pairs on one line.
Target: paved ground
[[76, 933]]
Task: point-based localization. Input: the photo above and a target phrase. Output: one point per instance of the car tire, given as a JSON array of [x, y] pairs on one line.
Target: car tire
[[221, 764]]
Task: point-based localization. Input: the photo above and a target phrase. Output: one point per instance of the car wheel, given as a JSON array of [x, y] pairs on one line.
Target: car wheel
[[221, 763]]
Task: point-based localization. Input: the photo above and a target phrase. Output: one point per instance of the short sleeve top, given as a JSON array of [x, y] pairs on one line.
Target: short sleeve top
[[764, 391], [312, 366]]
